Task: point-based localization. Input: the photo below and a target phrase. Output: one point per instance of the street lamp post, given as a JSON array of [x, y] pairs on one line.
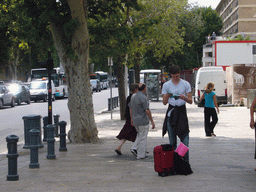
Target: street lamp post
[[110, 63], [50, 68]]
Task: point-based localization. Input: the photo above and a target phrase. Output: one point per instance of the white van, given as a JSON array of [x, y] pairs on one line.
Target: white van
[[214, 74]]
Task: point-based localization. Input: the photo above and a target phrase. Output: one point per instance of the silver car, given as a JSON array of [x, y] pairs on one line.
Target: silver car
[[6, 97]]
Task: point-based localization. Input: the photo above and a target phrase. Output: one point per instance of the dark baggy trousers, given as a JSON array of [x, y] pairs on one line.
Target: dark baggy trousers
[[208, 124]]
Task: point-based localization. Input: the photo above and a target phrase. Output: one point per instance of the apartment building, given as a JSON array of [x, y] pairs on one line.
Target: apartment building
[[239, 17]]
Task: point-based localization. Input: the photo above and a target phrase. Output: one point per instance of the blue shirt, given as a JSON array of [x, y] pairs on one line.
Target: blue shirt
[[209, 99]]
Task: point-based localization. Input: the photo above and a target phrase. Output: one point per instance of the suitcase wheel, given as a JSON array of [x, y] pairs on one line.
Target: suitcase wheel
[[163, 174]]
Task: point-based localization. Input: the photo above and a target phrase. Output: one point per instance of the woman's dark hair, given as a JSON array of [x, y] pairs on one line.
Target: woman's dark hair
[[174, 69], [142, 87], [133, 87]]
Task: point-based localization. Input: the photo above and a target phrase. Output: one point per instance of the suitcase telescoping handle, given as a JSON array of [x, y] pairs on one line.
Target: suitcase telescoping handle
[[167, 147]]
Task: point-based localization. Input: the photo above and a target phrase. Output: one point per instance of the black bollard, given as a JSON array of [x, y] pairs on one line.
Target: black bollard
[[56, 125], [34, 145], [114, 102], [12, 156], [117, 101], [50, 142], [109, 104], [31, 122], [45, 122], [63, 136]]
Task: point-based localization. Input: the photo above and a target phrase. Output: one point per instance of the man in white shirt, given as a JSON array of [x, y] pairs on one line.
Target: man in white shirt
[[177, 92]]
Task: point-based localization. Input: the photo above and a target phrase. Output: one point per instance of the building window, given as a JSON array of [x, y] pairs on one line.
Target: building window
[[254, 49]]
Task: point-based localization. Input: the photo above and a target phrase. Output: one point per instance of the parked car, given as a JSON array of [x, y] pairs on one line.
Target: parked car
[[96, 85], [39, 90], [6, 97], [20, 92]]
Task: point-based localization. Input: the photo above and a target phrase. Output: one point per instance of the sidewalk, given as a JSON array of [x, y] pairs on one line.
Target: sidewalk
[[222, 163]]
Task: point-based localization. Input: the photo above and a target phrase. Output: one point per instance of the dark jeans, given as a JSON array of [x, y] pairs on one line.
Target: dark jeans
[[173, 139], [208, 124]]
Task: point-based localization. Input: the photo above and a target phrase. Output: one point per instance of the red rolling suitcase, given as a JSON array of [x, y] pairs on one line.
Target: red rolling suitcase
[[163, 160]]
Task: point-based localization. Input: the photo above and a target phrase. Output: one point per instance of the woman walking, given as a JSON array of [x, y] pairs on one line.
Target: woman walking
[[209, 109], [128, 132]]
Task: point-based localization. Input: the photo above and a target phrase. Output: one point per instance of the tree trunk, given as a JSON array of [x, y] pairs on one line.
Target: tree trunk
[[121, 89], [16, 60], [83, 127], [137, 68], [10, 71]]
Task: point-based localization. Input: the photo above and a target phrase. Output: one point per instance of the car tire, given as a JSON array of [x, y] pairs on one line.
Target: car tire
[[13, 102], [19, 101], [1, 104], [28, 101]]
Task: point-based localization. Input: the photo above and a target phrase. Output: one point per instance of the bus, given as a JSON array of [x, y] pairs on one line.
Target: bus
[[103, 78], [58, 77]]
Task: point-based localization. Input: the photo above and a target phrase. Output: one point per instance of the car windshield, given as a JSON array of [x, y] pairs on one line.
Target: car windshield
[[38, 85]]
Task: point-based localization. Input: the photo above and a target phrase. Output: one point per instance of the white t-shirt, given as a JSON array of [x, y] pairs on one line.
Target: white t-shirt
[[182, 88]]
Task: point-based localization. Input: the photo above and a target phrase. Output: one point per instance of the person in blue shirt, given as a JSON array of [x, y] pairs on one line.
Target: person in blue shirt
[[209, 109]]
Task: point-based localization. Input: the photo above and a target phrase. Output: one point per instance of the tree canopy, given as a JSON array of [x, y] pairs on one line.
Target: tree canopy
[[197, 23]]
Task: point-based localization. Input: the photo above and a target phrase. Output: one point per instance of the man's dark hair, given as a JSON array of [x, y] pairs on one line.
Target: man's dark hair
[[133, 87], [174, 69], [142, 87]]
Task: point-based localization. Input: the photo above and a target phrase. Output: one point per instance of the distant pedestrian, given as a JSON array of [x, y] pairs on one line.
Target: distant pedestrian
[[213, 36], [177, 92], [252, 122], [162, 81], [140, 116], [128, 131], [209, 109], [209, 39]]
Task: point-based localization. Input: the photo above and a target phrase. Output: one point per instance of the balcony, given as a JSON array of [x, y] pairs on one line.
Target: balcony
[[207, 60]]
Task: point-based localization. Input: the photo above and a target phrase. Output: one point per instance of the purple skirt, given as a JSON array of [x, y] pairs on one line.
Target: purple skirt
[[128, 132]]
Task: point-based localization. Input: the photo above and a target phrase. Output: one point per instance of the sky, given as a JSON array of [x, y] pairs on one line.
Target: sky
[[206, 3]]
